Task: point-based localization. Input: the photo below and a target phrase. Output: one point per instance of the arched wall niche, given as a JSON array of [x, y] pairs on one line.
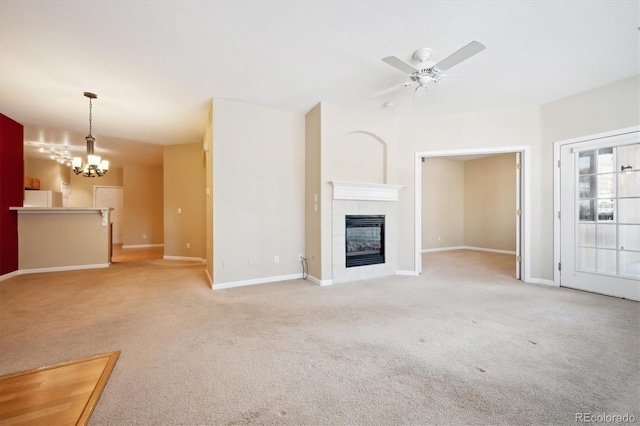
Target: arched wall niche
[[361, 157]]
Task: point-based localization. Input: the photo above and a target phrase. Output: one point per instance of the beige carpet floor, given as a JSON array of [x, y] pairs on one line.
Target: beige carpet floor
[[464, 343]]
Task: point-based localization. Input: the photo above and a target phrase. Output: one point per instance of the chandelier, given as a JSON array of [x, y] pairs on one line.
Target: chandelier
[[93, 165]]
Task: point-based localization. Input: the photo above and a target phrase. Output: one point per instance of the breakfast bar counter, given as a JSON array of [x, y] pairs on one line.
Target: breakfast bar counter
[[60, 238]]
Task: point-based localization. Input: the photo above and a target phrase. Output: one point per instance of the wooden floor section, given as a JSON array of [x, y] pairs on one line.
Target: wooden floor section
[[120, 255], [60, 394]]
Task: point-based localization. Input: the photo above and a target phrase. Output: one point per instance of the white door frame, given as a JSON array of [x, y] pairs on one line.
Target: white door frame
[[95, 191], [525, 151], [557, 146], [96, 187]]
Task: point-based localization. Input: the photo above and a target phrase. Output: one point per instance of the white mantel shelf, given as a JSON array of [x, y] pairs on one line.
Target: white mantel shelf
[[365, 191]]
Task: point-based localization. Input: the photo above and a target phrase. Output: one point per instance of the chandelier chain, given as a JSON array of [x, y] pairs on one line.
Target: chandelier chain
[[90, 108]]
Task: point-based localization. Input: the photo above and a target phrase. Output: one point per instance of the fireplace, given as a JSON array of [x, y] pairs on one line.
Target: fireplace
[[364, 240]]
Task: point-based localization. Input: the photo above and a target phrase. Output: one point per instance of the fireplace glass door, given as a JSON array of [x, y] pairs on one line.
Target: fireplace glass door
[[364, 240]]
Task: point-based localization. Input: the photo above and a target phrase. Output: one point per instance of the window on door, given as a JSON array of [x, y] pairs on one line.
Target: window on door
[[608, 228]]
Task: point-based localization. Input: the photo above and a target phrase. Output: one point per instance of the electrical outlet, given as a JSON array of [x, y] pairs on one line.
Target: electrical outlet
[[188, 245], [300, 257], [276, 259], [144, 236]]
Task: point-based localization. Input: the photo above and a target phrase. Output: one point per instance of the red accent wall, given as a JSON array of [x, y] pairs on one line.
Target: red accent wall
[[11, 190]]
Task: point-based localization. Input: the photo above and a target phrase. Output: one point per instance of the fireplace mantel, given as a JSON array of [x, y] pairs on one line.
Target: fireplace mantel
[[365, 191]]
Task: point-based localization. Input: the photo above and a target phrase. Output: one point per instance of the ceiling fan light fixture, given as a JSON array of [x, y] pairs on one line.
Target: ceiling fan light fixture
[[427, 71], [422, 54]]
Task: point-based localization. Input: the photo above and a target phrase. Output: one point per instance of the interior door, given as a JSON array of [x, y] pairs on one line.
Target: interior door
[[600, 215], [110, 196]]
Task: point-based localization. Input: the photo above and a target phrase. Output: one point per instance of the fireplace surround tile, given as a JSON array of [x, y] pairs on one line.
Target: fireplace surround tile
[[341, 208]]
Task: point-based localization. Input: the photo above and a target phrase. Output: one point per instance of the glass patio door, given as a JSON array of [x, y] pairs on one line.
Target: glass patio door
[[600, 216]]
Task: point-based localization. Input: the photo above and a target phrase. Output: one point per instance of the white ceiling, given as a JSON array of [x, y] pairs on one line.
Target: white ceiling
[[155, 65]]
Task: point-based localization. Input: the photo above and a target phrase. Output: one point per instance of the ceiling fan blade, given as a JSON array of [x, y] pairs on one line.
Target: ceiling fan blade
[[419, 96], [461, 55], [390, 89], [400, 64]]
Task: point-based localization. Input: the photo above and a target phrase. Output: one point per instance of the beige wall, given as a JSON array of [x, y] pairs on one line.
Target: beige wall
[[50, 172], [313, 162], [259, 181], [82, 187], [207, 146], [184, 181], [143, 205], [442, 203], [490, 202]]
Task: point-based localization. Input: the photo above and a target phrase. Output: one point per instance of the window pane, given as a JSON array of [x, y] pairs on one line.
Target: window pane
[[605, 210], [587, 210], [629, 155], [587, 187], [587, 259], [607, 261], [629, 184], [586, 163], [629, 210], [606, 186], [630, 237], [587, 235], [606, 160], [606, 236], [629, 263]]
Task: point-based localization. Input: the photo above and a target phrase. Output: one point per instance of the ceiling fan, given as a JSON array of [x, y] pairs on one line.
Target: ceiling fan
[[426, 71]]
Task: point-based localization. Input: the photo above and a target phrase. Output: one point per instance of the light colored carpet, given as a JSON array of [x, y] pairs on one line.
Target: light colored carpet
[[464, 343]]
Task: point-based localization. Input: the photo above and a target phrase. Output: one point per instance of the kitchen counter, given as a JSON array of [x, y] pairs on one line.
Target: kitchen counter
[[61, 238]]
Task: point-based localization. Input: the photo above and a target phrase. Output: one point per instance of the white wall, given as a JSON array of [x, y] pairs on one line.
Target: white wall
[[610, 107], [258, 191], [259, 170], [485, 129], [605, 108], [341, 125]]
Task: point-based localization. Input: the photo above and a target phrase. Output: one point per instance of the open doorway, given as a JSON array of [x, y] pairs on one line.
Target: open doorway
[[492, 217]]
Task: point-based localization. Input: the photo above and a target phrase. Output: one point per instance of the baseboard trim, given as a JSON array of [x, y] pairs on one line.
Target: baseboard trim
[[443, 249], [193, 259], [135, 246], [468, 248], [322, 283], [542, 281], [407, 273], [9, 275], [209, 277], [255, 281], [63, 268]]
